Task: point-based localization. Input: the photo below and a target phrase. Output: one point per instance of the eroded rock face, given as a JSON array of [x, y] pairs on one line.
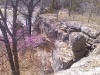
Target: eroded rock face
[[77, 36], [77, 42], [66, 54], [49, 31]]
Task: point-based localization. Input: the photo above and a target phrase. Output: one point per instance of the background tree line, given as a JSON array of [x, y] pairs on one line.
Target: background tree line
[[80, 6]]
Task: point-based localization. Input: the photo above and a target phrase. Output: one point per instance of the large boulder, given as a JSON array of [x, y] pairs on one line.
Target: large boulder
[[74, 26], [90, 32], [86, 66], [77, 42], [65, 53]]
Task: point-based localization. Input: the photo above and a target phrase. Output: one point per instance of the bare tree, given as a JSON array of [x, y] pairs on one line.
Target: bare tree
[[12, 52], [30, 4], [70, 7]]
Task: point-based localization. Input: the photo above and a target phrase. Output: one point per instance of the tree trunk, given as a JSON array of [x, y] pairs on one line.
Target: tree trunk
[[70, 7], [29, 23], [14, 39], [12, 54], [7, 45]]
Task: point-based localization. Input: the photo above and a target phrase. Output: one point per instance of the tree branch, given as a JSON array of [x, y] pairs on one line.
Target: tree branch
[[25, 3], [23, 13], [36, 3]]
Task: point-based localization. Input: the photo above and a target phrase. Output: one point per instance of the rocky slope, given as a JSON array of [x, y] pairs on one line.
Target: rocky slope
[[78, 46]]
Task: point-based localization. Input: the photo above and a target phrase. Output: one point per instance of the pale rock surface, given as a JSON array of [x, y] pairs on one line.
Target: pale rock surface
[[90, 32], [85, 66], [74, 26], [66, 54]]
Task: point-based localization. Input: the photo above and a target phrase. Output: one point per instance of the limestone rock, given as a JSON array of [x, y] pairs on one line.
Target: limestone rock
[[62, 36], [86, 66], [96, 51], [77, 42], [90, 32], [49, 31], [66, 54], [65, 37], [74, 26], [63, 26]]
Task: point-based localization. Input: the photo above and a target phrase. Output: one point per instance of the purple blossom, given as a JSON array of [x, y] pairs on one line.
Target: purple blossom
[[33, 40]]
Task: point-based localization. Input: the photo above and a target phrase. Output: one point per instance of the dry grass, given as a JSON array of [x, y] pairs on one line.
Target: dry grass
[[30, 62], [28, 66]]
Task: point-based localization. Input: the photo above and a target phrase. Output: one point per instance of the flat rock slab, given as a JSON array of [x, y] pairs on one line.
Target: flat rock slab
[[90, 32], [74, 26]]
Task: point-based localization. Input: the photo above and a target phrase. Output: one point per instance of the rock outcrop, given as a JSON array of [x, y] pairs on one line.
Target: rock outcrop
[[73, 26], [77, 42], [80, 40], [90, 32]]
